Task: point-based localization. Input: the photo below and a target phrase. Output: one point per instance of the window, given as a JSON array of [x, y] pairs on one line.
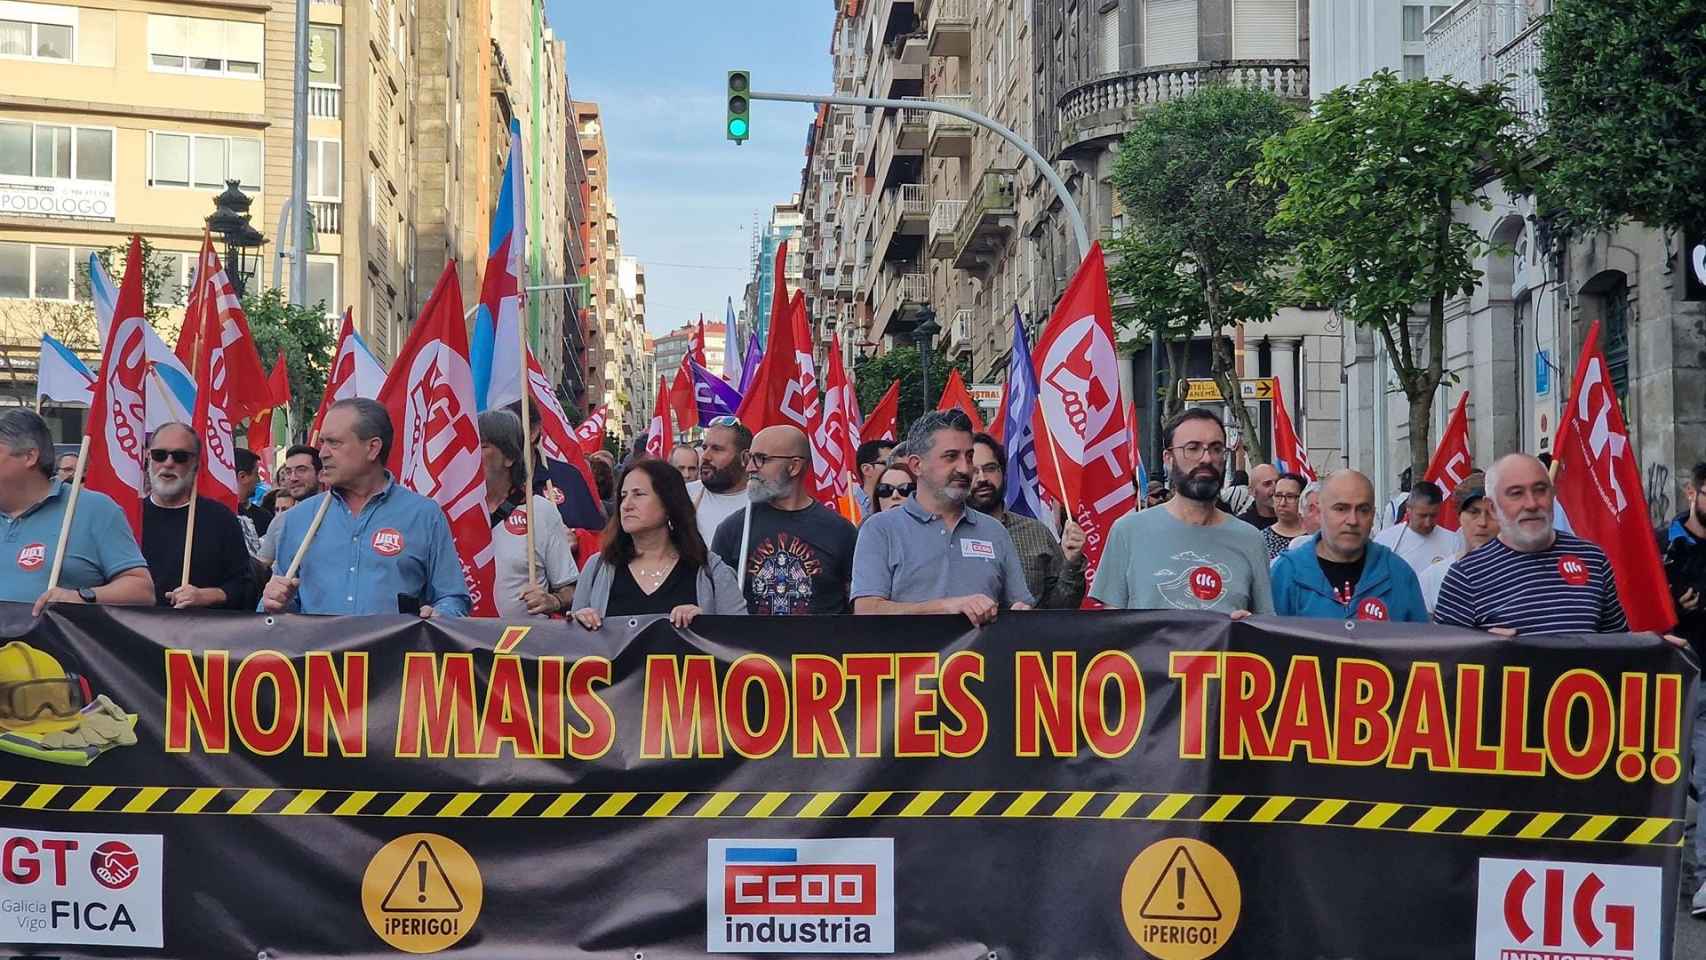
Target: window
[[1415, 21], [43, 272], [197, 45], [323, 283], [1415, 67], [15, 271], [37, 31], [325, 56], [51, 150], [182, 160], [1264, 29], [325, 170], [1108, 41], [53, 273], [1615, 307], [1170, 34]]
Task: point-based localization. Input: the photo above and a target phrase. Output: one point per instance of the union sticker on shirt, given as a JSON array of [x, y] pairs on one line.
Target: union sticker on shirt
[[516, 522], [978, 549], [1372, 608], [32, 557], [388, 542]]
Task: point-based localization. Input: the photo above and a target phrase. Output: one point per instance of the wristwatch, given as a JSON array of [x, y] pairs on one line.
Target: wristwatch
[[86, 594]]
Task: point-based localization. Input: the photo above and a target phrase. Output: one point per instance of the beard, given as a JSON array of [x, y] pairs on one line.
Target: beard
[[1201, 484], [171, 489], [951, 491], [759, 490], [986, 497], [719, 480]]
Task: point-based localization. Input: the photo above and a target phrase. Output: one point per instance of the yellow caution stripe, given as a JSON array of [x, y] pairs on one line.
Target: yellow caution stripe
[[1449, 821]]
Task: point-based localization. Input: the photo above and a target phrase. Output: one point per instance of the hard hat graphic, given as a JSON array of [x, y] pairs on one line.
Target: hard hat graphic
[[37, 695]]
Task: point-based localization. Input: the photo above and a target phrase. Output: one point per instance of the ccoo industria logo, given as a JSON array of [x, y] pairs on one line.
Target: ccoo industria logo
[[799, 896]]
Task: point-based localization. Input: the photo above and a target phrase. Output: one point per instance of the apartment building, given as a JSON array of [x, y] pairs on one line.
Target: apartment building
[[639, 373], [668, 349]]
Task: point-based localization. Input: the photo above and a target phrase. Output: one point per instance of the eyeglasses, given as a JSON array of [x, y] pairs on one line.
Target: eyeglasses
[[762, 460], [1197, 451], [1287, 497], [179, 457], [887, 490], [724, 421]]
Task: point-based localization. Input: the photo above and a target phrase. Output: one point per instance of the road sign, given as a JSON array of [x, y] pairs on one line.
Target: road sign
[[1203, 390]]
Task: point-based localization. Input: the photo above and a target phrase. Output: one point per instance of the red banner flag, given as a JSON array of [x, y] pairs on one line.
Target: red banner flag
[[590, 433], [837, 433], [118, 415], [260, 426], [1599, 486], [681, 401], [699, 343], [430, 394], [761, 404], [1080, 421], [660, 439], [883, 423], [245, 378], [1451, 461], [1289, 453], [354, 373], [955, 396], [205, 327], [998, 426]]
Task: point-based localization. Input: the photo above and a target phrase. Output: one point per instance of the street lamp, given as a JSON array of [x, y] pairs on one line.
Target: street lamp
[[921, 336], [230, 219]]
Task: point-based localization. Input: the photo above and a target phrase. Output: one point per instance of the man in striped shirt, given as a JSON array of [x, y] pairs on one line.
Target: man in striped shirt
[[1532, 579]]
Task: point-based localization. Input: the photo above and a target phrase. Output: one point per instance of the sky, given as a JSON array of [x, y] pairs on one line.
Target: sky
[[684, 194]]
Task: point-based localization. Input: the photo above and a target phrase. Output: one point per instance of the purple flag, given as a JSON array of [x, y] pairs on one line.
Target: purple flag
[[714, 397], [749, 365]]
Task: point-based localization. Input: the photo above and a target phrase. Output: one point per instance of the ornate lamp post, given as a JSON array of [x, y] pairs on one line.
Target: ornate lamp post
[[230, 220], [922, 335]]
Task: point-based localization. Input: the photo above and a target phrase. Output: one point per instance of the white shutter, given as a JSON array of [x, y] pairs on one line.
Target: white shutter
[[1264, 29], [1169, 32], [1108, 42]]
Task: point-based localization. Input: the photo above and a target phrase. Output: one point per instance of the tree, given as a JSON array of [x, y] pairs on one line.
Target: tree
[[1200, 223], [1625, 121], [1373, 181], [872, 376], [307, 341]]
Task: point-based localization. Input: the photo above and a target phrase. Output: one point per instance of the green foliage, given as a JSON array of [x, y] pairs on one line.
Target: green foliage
[[308, 343], [1625, 84], [872, 375], [1371, 183], [1201, 248]]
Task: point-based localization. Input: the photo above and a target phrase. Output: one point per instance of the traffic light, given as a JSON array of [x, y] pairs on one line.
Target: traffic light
[[740, 108]]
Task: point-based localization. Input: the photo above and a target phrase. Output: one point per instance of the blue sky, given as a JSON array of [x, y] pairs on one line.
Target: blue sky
[[686, 195]]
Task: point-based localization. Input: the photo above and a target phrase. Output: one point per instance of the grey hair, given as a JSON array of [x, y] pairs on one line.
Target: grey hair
[[195, 441], [24, 430], [921, 439], [371, 420], [502, 429], [1312, 489]]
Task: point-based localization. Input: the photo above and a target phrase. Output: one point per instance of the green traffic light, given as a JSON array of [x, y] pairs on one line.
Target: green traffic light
[[737, 127]]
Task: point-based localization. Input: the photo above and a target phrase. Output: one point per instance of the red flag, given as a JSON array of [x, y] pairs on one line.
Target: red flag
[[762, 398], [1451, 462], [1081, 433], [590, 433], [344, 381], [430, 394], [205, 327], [681, 401], [699, 343], [245, 378], [1599, 486], [118, 418], [1289, 454], [837, 433], [955, 396], [660, 439], [556, 441], [260, 426], [998, 426], [786, 391], [883, 423]]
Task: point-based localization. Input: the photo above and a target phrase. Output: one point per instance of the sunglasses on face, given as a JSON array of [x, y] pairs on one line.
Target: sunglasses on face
[[179, 457], [887, 490]]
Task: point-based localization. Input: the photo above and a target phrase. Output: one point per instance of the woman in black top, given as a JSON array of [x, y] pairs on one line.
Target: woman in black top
[[654, 560]]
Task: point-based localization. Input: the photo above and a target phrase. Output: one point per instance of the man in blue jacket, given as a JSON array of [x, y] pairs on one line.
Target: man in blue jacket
[[1339, 573]]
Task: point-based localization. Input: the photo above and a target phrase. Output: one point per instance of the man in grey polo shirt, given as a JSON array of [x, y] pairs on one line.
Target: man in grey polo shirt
[[934, 554], [102, 561]]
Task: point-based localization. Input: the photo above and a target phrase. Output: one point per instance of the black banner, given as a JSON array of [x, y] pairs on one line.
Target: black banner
[[1055, 785]]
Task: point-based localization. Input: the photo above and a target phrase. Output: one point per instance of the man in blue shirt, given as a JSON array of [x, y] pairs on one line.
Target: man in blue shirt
[[102, 561], [381, 547], [1339, 573]]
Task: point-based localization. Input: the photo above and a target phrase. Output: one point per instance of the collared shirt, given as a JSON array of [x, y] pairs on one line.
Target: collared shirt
[[399, 544], [910, 555], [101, 545], [1056, 584]]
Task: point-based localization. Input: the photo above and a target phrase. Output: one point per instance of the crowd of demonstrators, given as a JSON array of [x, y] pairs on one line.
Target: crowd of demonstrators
[[685, 459], [1187, 554], [795, 556], [1341, 572], [514, 595], [1288, 518], [654, 561], [103, 563], [221, 575], [1477, 524], [870, 459], [1417, 536], [894, 485], [1054, 568], [931, 554], [381, 548], [720, 490]]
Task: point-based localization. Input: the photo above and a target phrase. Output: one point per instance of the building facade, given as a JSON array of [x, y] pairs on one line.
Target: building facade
[[668, 349]]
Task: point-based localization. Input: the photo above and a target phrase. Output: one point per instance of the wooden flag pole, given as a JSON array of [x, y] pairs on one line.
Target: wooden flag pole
[[189, 524], [70, 509], [526, 438], [308, 538]]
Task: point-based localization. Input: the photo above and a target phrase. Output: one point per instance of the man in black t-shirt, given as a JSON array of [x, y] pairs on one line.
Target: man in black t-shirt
[[798, 556]]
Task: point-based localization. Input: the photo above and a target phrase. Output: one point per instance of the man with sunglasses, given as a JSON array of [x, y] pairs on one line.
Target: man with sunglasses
[[220, 573], [798, 552], [1187, 555], [720, 491], [102, 561]]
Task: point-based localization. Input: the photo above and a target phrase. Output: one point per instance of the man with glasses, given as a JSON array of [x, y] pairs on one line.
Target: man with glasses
[[220, 574], [871, 458], [102, 562], [299, 477], [720, 491], [1054, 569], [798, 553], [932, 555], [1187, 555]]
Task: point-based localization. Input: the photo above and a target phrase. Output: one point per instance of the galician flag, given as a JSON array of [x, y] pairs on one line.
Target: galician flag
[[495, 348]]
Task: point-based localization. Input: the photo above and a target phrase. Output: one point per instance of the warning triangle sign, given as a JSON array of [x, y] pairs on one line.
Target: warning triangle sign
[[1180, 892], [422, 886]]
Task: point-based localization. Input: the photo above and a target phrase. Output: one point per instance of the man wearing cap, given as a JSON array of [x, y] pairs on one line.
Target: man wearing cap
[[1477, 525], [1339, 573]]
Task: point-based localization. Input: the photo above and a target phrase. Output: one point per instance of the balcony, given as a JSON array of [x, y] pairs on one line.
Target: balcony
[[959, 333], [898, 305], [944, 218], [325, 102], [327, 217], [951, 136], [949, 28], [896, 163], [1518, 63], [989, 218], [912, 127], [1462, 43], [906, 217], [1103, 108], [896, 76]]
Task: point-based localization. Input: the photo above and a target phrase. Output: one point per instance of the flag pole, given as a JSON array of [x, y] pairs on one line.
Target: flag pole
[[70, 508], [308, 538], [189, 524], [527, 439]]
